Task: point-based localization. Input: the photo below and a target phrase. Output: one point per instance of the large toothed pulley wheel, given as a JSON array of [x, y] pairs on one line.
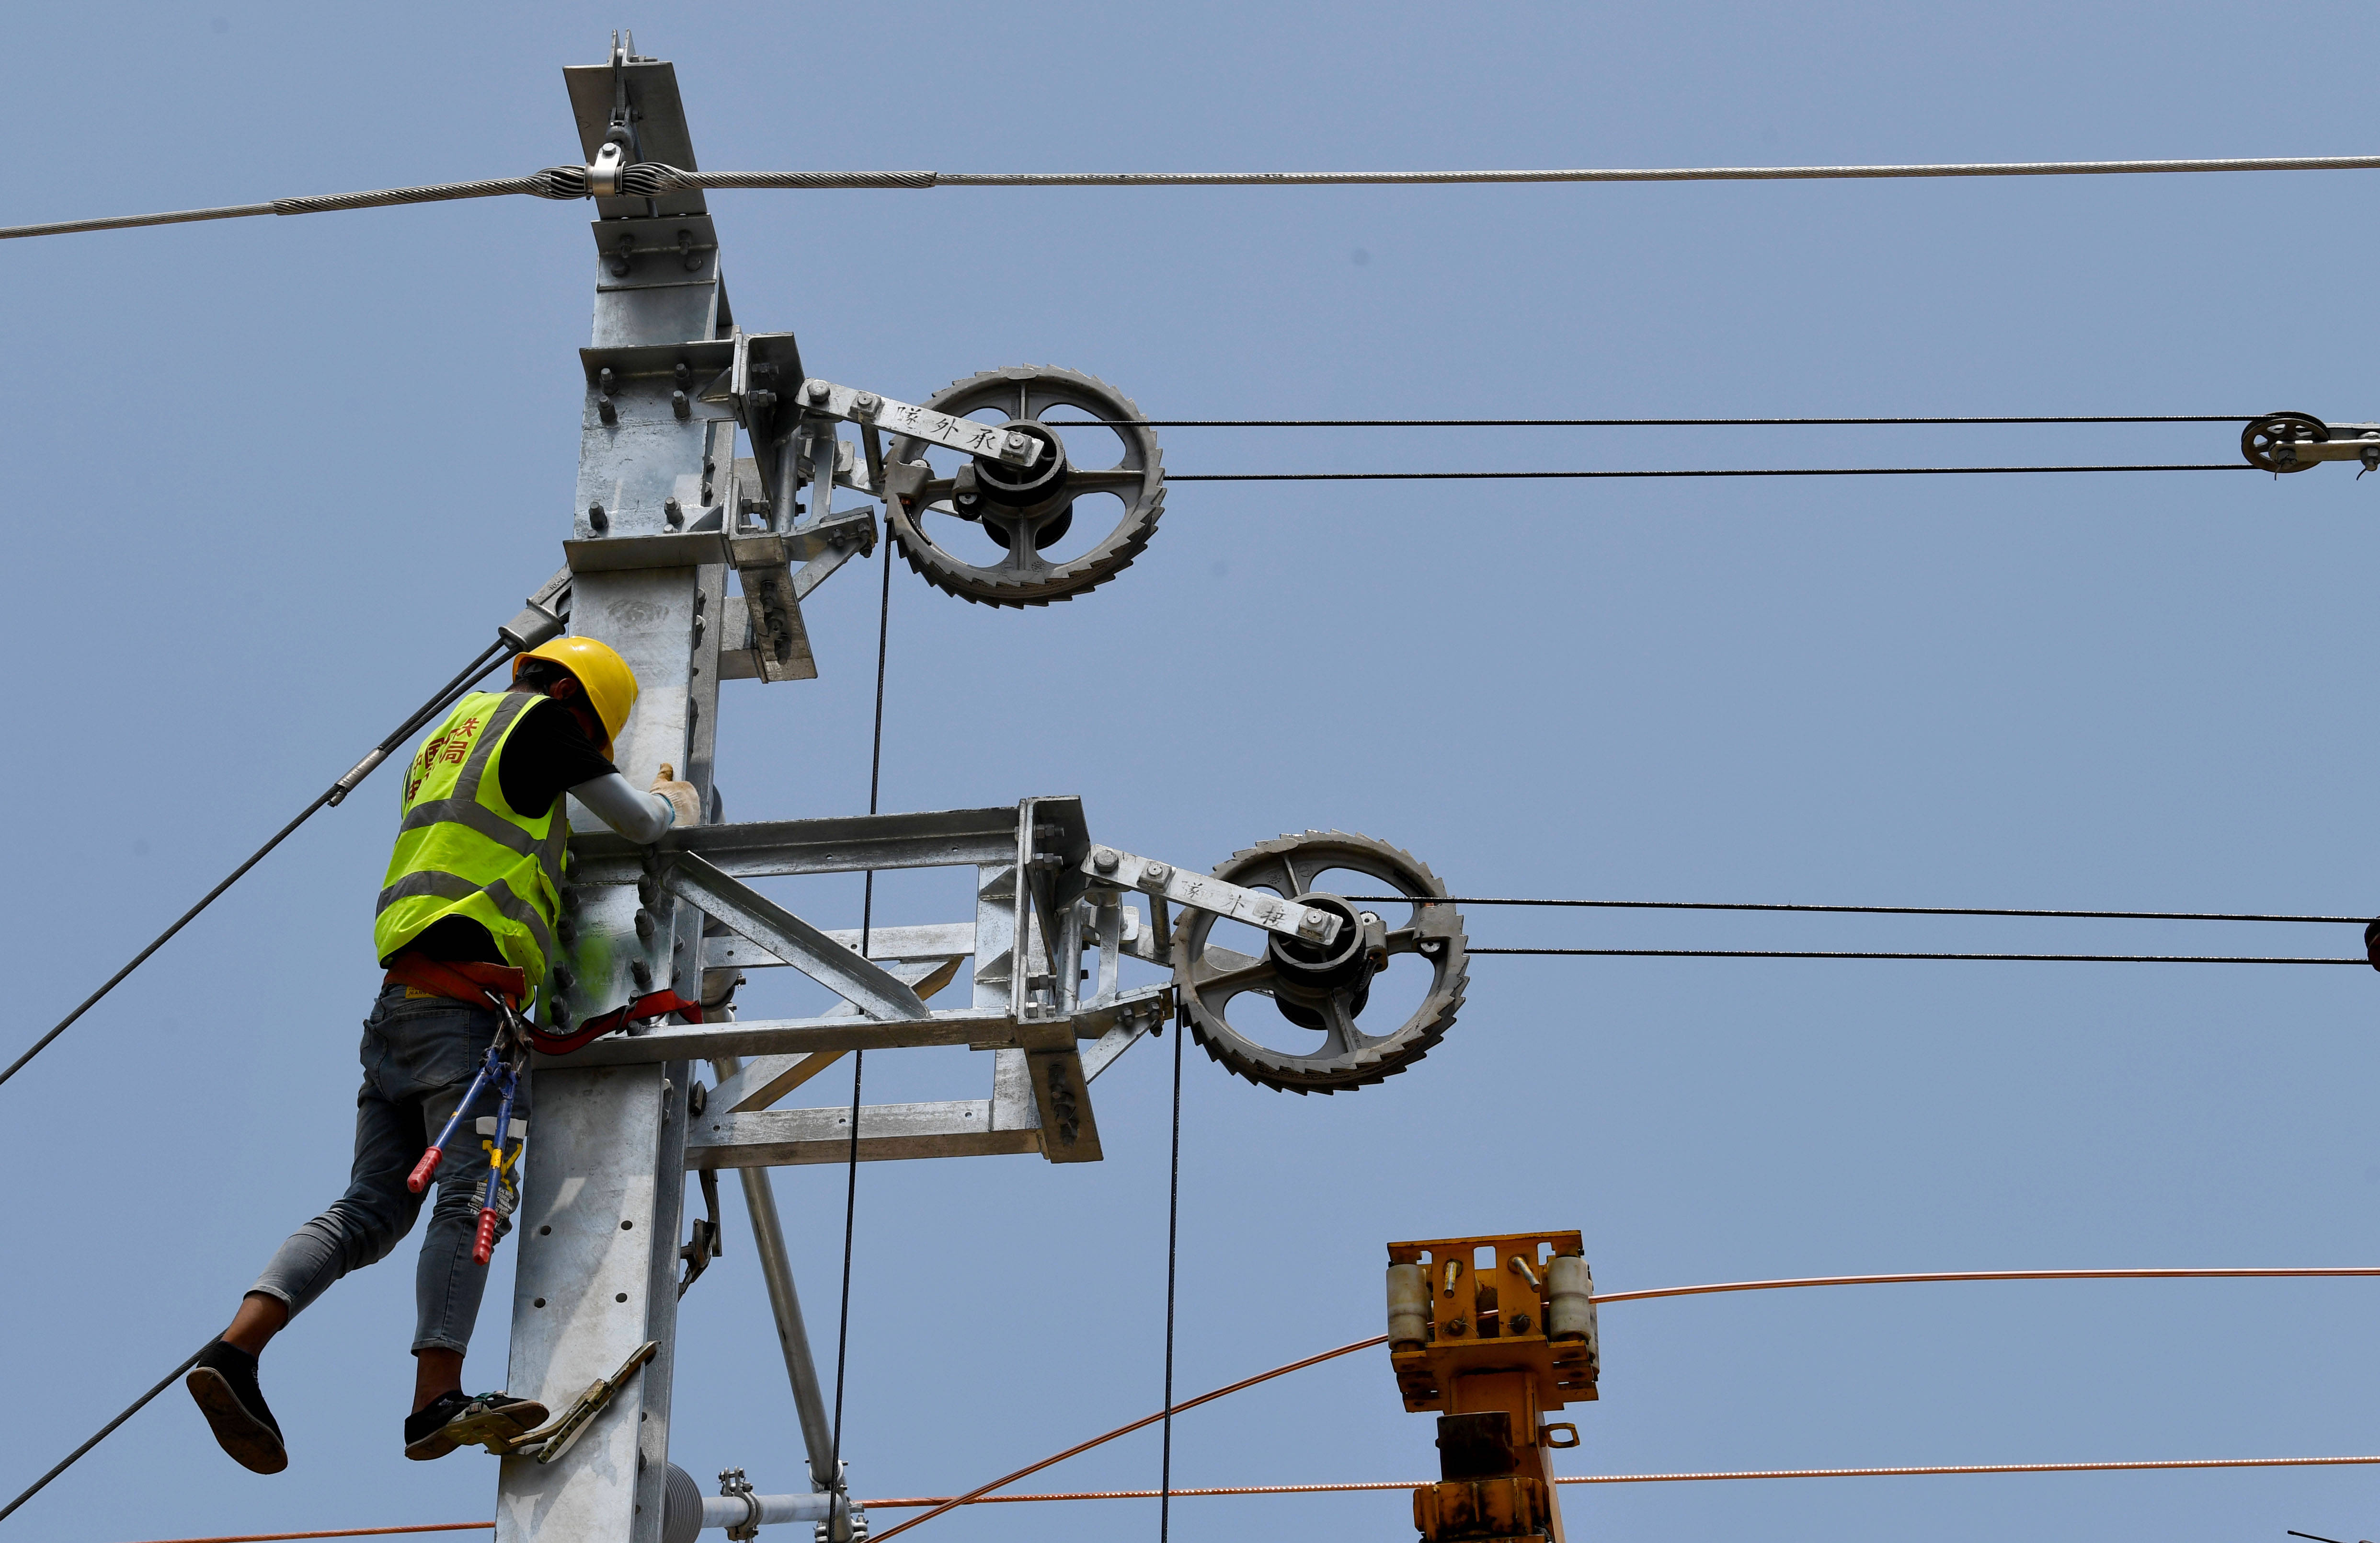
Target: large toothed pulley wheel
[[1259, 1014], [1000, 534], [2266, 441]]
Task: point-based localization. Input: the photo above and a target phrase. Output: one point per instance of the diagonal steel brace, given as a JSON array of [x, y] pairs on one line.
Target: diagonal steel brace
[[870, 986]]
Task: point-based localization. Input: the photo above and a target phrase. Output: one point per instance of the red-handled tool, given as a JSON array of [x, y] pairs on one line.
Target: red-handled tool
[[419, 1180], [485, 1248]]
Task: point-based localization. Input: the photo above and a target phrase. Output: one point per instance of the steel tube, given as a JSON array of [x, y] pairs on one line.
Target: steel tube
[[785, 1303]]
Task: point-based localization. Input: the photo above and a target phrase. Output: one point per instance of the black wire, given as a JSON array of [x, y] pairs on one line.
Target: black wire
[[1859, 910], [405, 730], [1621, 422], [1763, 471], [105, 1431], [1817, 954], [867, 919], [1172, 1235]]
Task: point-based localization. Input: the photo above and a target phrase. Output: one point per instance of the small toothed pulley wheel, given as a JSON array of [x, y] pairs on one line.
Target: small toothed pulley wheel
[[1243, 1007], [1097, 451], [2266, 441]]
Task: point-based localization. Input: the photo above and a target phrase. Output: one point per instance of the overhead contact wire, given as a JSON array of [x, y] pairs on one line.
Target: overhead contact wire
[[649, 179]]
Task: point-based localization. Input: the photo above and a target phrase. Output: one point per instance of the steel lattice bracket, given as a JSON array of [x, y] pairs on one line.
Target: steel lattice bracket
[[1031, 941]]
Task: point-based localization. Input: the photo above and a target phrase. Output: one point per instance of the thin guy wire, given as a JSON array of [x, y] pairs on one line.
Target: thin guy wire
[[903, 1503], [2002, 958], [105, 1431], [338, 1532], [1172, 1235], [470, 677], [1628, 422], [972, 1496], [1624, 476], [1654, 1478], [1848, 910], [649, 179], [983, 1494], [867, 920]]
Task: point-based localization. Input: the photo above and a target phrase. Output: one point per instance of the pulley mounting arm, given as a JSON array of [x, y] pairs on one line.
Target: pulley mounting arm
[[1203, 891], [867, 409]]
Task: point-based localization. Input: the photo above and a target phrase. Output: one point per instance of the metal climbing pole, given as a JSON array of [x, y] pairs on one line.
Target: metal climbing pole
[[982, 489], [600, 1213]]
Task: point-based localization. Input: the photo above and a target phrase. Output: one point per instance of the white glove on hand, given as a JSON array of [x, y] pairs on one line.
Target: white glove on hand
[[682, 796]]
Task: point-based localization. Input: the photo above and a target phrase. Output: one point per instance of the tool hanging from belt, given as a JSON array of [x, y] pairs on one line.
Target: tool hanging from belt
[[498, 1069]]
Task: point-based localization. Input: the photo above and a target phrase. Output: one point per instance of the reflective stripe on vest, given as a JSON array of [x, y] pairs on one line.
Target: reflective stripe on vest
[[461, 850]]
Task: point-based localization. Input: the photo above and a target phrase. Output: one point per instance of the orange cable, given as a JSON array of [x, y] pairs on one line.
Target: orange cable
[[983, 1494], [1126, 1430]]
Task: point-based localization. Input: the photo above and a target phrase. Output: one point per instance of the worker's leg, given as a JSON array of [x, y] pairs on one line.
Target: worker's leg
[[449, 1281], [359, 1227], [364, 1224]]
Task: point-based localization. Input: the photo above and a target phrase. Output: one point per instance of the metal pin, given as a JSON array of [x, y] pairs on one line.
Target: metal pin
[[598, 519]]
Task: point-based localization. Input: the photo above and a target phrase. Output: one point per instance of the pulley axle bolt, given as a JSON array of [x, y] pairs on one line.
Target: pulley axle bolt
[[1310, 922], [1015, 441], [1103, 859], [1157, 873]]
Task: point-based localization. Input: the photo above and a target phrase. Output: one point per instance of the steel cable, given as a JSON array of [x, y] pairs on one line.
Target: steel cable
[[898, 1505], [650, 179], [1732, 471], [447, 695], [1173, 1232], [105, 1431], [833, 1479], [1879, 954], [1853, 910], [1628, 422]]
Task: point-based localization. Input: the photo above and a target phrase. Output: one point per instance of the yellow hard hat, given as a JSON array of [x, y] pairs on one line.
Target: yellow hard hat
[[610, 685]]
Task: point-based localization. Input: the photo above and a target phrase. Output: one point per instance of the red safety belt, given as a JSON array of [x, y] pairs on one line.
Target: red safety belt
[[653, 1005], [471, 982]]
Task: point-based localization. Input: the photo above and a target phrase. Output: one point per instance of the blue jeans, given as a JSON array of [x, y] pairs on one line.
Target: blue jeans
[[419, 1057]]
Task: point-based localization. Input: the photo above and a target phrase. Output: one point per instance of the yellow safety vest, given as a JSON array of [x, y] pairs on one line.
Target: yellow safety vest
[[461, 851]]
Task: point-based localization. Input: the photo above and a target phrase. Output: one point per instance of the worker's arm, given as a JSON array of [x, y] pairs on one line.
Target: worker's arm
[[640, 816]]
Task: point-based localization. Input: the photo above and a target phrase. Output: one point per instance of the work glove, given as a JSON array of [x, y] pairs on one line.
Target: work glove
[[682, 796]]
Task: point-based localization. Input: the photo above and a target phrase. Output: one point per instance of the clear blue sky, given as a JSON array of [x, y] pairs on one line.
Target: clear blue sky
[[272, 479]]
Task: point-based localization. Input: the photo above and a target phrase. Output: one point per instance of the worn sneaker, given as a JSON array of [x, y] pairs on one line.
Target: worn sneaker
[[493, 1420], [223, 1384]]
